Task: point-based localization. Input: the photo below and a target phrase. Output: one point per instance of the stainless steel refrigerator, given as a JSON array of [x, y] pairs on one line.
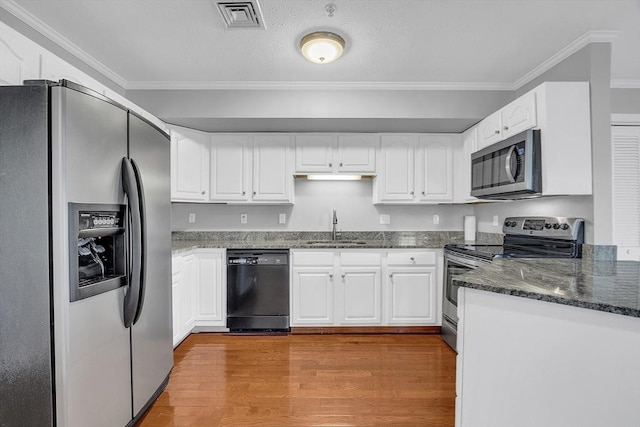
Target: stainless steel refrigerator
[[85, 256]]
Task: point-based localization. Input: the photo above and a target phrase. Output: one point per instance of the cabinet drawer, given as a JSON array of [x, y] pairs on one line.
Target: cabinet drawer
[[360, 258], [411, 258], [304, 258]]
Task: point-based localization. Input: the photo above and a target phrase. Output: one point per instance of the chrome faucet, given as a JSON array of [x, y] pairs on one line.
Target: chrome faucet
[[334, 232]]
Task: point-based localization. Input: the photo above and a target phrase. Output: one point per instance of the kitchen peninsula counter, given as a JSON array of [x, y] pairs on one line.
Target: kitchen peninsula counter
[[610, 286], [549, 342]]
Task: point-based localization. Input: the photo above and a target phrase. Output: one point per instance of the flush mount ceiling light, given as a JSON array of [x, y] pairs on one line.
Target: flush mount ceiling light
[[322, 47]]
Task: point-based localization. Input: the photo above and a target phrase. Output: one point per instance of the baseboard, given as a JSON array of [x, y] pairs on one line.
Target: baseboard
[[433, 330]]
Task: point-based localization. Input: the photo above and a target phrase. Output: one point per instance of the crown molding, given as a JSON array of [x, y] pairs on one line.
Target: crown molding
[[16, 10], [314, 85], [561, 55]]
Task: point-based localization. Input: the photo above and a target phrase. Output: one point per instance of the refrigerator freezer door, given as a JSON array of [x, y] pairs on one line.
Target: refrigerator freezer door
[[151, 335], [26, 378], [93, 377]]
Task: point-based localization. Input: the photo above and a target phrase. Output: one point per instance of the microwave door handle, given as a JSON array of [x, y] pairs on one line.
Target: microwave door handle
[[143, 241], [131, 190], [507, 164]]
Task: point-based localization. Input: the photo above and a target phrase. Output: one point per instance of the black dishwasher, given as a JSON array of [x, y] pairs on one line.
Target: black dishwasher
[[258, 290]]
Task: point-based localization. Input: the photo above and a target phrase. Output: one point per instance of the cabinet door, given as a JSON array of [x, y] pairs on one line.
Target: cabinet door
[[358, 294], [272, 168], [410, 295], [189, 165], [435, 167], [314, 153], [20, 57], [519, 115], [356, 153], [176, 299], [189, 289], [230, 168], [489, 130], [312, 296], [395, 181], [211, 288]]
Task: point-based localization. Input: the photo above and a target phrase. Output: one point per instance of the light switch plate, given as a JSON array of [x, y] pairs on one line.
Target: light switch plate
[[192, 218], [282, 218], [496, 221], [436, 219], [243, 218], [385, 219]]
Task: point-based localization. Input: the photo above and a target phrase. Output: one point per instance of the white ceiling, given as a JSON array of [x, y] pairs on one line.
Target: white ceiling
[[494, 44]]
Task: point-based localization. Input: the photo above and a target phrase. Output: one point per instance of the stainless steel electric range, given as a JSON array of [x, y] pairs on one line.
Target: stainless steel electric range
[[524, 237]]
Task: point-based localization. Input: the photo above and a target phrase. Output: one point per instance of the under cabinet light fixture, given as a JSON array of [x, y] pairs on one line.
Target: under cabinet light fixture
[[334, 177]]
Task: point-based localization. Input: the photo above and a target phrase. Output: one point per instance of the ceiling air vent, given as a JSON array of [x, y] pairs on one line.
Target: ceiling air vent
[[241, 14]]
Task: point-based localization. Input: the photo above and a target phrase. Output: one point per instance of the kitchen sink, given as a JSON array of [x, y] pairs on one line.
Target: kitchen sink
[[335, 242]]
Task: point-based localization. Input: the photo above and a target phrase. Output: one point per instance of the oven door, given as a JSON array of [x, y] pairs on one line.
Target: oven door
[[454, 266]]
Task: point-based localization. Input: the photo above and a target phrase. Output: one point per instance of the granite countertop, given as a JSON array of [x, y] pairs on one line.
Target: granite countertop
[[611, 286], [317, 240]]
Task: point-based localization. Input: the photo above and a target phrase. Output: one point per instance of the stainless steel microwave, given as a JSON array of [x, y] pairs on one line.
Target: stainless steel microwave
[[509, 169]]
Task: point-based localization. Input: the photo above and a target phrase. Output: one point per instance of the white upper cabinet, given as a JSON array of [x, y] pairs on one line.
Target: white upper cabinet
[[19, 57], [230, 168], [415, 168], [435, 167], [513, 118], [462, 161], [343, 153], [251, 168], [189, 165], [396, 165], [272, 168]]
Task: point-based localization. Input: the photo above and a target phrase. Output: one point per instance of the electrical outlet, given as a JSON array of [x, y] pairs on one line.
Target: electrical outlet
[[243, 218], [192, 218], [496, 221], [385, 219], [282, 218], [436, 219]]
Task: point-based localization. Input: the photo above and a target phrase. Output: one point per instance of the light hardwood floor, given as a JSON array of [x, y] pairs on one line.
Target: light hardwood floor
[[308, 380]]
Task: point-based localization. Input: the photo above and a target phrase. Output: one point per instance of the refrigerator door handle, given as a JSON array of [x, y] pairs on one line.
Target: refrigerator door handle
[[130, 188], [143, 240]]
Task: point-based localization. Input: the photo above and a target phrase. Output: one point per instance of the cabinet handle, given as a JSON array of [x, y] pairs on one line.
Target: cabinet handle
[[391, 276], [412, 259], [330, 276], [330, 165], [340, 164], [343, 276], [254, 193], [423, 193], [505, 127], [411, 192], [203, 192], [497, 131], [244, 192]]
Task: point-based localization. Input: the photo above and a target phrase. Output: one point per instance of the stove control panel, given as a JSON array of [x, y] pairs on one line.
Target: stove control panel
[[554, 227]]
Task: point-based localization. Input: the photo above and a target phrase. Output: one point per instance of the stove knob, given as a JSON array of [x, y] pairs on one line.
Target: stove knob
[[547, 225], [556, 226], [564, 226]]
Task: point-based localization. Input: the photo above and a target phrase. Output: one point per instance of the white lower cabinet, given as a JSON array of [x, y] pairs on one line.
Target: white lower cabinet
[[198, 291], [348, 288], [211, 288]]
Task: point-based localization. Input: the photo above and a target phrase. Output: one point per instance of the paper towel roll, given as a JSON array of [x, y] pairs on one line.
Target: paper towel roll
[[470, 228]]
